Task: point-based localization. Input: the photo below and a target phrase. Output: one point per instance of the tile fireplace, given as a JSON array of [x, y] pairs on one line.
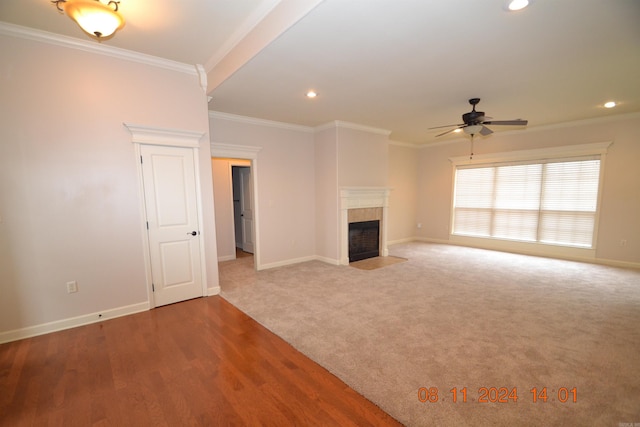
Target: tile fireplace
[[363, 205]]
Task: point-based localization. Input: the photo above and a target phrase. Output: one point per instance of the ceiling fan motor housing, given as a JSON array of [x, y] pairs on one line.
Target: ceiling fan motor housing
[[473, 117]]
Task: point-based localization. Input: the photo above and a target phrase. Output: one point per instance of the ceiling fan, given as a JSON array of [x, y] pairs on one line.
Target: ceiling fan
[[475, 121]]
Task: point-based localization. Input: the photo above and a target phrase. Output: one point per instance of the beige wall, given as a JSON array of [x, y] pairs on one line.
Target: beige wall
[[363, 159], [285, 187], [620, 203], [403, 199], [70, 206], [327, 210], [299, 175]]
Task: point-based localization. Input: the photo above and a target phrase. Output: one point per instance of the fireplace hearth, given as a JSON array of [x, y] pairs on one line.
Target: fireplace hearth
[[364, 240]]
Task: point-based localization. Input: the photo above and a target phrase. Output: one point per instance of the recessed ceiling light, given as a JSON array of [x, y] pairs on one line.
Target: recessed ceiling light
[[609, 104], [518, 4], [311, 94]]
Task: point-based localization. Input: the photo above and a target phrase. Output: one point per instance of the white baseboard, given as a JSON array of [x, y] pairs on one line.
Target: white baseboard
[[226, 258], [616, 263], [405, 240], [213, 291], [286, 262], [72, 322], [331, 261], [429, 240], [557, 255]]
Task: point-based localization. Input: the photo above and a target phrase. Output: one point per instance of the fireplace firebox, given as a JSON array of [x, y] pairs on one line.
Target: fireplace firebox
[[364, 240]]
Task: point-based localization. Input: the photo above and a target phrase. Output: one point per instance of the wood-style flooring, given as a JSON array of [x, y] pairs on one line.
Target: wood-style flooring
[[199, 362]]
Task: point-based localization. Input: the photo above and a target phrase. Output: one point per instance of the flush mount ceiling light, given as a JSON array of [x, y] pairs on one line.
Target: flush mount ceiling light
[[97, 19], [609, 104], [514, 5], [311, 94]]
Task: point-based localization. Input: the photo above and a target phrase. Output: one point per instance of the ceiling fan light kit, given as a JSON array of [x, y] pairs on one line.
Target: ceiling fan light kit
[[472, 130], [100, 20]]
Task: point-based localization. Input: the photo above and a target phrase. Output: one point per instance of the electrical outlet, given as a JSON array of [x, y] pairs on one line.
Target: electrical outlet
[[419, 225], [72, 287], [623, 242]]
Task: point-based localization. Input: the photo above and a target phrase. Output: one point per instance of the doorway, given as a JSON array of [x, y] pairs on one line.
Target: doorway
[[167, 164], [234, 155], [173, 227], [243, 208]]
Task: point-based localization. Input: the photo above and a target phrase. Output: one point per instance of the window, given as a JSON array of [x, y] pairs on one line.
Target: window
[[551, 201]]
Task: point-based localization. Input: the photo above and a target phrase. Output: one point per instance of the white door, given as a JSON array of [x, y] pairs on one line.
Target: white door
[[246, 207], [172, 220]]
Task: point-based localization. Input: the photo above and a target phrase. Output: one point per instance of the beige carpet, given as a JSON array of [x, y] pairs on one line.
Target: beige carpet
[[376, 262], [460, 317]]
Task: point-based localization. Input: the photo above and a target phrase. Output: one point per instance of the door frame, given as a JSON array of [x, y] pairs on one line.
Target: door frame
[[245, 152], [151, 135]]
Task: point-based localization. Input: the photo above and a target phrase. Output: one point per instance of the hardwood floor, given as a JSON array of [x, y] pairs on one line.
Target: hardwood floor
[[200, 362], [242, 254]]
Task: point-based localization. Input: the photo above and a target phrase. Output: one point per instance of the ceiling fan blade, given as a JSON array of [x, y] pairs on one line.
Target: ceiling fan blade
[[518, 122], [452, 130], [446, 126], [485, 131]]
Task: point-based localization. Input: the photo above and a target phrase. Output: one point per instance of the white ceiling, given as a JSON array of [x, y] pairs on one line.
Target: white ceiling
[[400, 65]]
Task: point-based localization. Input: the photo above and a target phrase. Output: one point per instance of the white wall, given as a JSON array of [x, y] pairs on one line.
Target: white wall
[[285, 189], [620, 203], [69, 199]]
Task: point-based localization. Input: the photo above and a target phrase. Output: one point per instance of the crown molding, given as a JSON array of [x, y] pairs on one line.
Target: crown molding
[[259, 122], [352, 126], [535, 154], [403, 144], [348, 125], [18, 31], [563, 125], [234, 151], [289, 126], [141, 134], [202, 77], [268, 21], [585, 122], [249, 24]]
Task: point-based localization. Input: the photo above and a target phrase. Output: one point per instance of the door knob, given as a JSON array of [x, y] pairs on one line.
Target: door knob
[[193, 233]]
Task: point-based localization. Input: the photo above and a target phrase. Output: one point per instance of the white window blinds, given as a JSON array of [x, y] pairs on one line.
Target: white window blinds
[[551, 202]]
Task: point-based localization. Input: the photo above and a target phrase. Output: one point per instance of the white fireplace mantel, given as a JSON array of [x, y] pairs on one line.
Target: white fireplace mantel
[[362, 197]]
